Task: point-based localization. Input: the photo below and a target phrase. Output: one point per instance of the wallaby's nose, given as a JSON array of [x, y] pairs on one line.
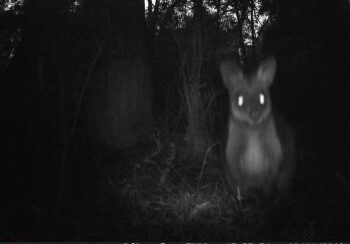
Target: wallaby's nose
[[254, 113]]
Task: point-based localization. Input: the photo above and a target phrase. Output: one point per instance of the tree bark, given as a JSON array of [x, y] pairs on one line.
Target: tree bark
[[119, 102], [240, 14], [196, 131], [252, 28]]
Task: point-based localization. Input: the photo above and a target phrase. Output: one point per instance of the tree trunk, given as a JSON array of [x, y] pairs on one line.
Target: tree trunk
[[218, 8], [119, 102], [240, 22], [252, 28], [196, 132]]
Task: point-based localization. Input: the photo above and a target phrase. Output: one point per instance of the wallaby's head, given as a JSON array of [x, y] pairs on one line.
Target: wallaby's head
[[250, 101]]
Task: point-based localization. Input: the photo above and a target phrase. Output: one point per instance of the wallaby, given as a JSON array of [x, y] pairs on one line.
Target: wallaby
[[260, 150]]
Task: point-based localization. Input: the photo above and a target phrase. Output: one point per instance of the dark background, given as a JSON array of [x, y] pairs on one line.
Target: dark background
[[86, 84]]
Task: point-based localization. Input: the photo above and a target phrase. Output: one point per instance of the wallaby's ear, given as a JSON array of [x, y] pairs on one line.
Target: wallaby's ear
[[231, 73], [266, 71]]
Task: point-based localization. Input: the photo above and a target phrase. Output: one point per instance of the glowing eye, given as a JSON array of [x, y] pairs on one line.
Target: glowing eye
[[262, 99], [240, 100]]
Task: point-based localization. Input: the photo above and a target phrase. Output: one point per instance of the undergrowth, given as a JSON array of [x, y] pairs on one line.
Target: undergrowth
[[175, 200]]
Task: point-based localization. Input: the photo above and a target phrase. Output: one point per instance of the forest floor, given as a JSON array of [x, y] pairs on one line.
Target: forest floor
[[146, 194]]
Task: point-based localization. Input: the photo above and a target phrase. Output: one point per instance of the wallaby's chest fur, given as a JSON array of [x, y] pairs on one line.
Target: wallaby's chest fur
[[253, 155]]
